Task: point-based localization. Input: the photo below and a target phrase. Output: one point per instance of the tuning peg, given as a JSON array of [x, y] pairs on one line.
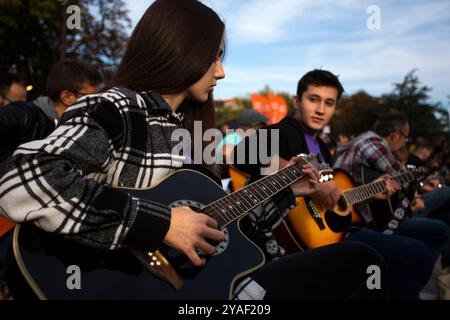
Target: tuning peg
[[319, 158]]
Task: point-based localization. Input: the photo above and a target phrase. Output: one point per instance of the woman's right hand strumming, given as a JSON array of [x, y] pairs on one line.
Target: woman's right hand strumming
[[189, 230]]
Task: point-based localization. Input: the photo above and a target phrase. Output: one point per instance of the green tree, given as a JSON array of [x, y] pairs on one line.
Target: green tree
[[34, 35], [289, 100], [412, 99], [355, 114]]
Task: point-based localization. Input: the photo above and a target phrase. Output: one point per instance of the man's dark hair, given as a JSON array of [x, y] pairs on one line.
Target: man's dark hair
[[6, 80], [319, 78], [389, 123], [71, 75], [421, 142]]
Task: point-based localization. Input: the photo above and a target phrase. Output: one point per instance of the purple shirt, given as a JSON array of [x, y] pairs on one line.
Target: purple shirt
[[313, 145]]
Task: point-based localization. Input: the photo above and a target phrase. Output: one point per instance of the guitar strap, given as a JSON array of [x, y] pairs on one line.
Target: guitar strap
[[397, 215]]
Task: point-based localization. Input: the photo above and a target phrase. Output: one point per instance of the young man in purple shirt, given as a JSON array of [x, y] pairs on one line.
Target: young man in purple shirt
[[410, 261]]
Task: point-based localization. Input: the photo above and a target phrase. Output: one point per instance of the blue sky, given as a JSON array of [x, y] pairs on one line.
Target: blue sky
[[275, 42]]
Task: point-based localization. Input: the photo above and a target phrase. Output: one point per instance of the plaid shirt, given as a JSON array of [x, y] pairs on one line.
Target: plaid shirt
[[67, 183], [370, 150]]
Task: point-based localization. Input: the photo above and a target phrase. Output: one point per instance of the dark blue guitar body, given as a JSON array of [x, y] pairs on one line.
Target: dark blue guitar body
[[43, 259]]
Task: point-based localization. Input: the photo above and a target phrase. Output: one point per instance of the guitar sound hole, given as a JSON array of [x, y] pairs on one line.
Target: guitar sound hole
[[336, 222], [342, 204]]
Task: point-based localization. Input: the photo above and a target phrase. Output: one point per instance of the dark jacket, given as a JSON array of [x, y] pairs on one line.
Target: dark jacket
[[22, 122], [291, 143]]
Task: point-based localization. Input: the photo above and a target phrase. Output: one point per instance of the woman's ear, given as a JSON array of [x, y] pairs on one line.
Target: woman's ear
[[66, 97]]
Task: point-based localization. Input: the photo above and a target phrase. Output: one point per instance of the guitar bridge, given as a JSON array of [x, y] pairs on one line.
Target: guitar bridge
[[315, 213], [156, 263]]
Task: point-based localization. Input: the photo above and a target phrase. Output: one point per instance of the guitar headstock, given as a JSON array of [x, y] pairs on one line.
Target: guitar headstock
[[419, 173], [324, 170]]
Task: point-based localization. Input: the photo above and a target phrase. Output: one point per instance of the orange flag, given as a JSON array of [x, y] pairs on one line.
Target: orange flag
[[261, 104], [278, 108]]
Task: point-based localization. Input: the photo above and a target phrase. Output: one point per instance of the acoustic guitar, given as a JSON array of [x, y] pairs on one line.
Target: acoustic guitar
[[43, 259], [309, 225], [389, 213]]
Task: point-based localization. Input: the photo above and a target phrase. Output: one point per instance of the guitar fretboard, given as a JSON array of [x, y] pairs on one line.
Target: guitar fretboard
[[367, 191], [236, 204]]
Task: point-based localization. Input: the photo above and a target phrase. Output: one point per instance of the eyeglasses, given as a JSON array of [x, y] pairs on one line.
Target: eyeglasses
[[79, 94], [404, 136]]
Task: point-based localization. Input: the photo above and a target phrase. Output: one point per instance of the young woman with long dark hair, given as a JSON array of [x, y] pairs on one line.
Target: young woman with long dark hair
[[122, 138]]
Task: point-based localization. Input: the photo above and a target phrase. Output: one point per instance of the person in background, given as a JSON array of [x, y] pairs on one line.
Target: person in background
[[421, 153], [21, 122], [11, 89], [249, 121], [409, 261], [374, 149]]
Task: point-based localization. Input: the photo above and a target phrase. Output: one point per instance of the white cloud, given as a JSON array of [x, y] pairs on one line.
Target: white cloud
[[275, 42], [268, 21], [410, 17]]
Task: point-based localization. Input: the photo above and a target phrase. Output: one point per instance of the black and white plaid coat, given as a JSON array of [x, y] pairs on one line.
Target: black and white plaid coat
[[67, 183]]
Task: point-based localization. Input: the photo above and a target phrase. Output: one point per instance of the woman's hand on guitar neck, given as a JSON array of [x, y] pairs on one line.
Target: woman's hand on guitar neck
[[189, 230]]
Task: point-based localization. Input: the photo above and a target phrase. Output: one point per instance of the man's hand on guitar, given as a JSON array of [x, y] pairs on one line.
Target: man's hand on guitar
[[189, 230], [326, 193], [392, 187], [308, 184]]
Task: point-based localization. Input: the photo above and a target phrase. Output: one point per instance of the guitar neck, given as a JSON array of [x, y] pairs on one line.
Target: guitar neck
[[368, 191], [237, 204]]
